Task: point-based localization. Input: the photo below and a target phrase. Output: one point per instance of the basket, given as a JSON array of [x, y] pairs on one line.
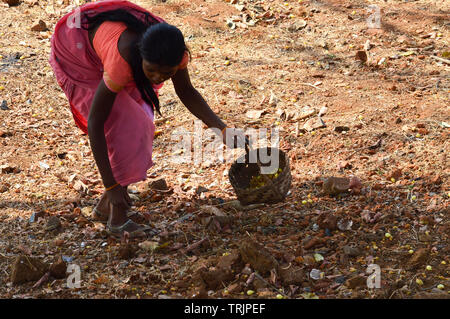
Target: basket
[[275, 191]]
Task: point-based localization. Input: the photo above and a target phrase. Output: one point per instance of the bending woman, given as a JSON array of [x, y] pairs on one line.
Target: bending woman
[[111, 58]]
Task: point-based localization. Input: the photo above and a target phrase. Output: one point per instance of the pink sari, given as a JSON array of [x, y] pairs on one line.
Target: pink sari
[[129, 130]]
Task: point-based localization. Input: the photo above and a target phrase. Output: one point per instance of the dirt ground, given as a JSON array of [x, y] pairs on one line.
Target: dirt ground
[[383, 92]]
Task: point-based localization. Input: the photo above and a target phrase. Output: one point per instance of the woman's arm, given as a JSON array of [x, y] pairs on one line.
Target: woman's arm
[[101, 108], [194, 101]]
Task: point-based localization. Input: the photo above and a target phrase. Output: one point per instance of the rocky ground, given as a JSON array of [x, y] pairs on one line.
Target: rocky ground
[[382, 93]]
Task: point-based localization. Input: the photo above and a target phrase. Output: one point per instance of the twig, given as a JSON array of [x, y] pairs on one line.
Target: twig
[[440, 59], [43, 280], [314, 86], [194, 245]]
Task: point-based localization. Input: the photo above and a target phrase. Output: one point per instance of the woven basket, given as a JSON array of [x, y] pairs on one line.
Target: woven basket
[[241, 173]]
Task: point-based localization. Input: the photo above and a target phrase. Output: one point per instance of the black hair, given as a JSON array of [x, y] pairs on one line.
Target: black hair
[[158, 43]]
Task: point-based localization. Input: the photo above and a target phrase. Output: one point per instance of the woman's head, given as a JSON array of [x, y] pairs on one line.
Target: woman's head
[[155, 56], [162, 48]]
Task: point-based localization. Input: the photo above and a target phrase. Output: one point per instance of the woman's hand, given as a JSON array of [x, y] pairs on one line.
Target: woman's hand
[[118, 196]]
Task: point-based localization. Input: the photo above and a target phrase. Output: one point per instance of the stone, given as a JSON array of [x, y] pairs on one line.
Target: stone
[[297, 26], [396, 174], [159, 184], [258, 257], [327, 221], [58, 269], [12, 3], [201, 189], [126, 251], [315, 242], [336, 185], [356, 281], [351, 251], [7, 169], [215, 278], [231, 261], [418, 258], [27, 269], [235, 288], [423, 237], [39, 26], [314, 124], [293, 275], [53, 223]]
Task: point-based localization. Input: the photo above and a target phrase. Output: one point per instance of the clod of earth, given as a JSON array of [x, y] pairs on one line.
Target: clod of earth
[[356, 281], [27, 269], [258, 257], [159, 184], [58, 269]]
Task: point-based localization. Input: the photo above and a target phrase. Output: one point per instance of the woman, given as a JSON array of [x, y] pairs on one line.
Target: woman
[[110, 58]]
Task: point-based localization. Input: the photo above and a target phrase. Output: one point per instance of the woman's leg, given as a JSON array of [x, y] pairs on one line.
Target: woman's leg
[[102, 207]]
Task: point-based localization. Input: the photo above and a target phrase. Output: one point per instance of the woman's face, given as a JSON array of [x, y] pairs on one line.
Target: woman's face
[[158, 73]]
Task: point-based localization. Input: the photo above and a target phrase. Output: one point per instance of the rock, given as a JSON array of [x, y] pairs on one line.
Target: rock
[[127, 251], [39, 26], [436, 180], [235, 288], [423, 237], [361, 56], [231, 261], [58, 269], [327, 221], [273, 100], [27, 269], [315, 242], [356, 281], [254, 114], [258, 257], [351, 251], [12, 3], [4, 106], [214, 219], [293, 275], [297, 26], [159, 184], [418, 258], [314, 124], [201, 189], [215, 278], [396, 174], [258, 284], [304, 113], [341, 129], [7, 169], [53, 223], [3, 188], [336, 185]]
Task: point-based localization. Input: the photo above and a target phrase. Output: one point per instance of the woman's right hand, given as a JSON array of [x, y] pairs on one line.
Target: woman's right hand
[[118, 196]]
